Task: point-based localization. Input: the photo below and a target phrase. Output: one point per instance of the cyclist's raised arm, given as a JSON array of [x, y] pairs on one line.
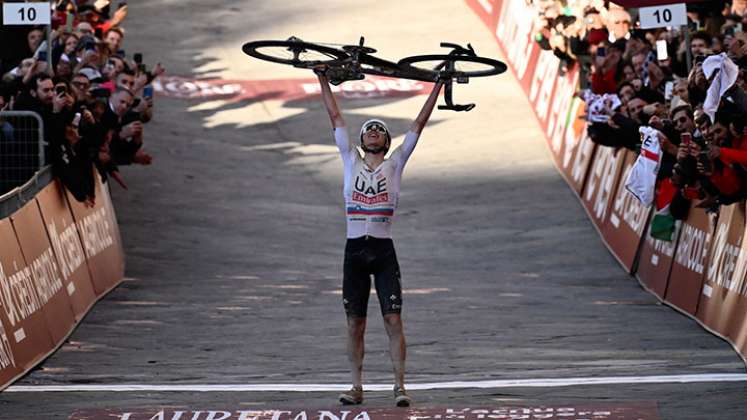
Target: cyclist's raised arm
[[329, 99], [425, 112]]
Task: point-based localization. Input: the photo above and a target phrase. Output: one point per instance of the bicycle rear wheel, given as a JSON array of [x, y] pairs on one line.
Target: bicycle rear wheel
[[294, 53], [463, 65]]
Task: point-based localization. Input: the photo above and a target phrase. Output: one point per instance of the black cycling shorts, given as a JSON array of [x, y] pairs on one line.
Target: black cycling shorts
[[364, 257]]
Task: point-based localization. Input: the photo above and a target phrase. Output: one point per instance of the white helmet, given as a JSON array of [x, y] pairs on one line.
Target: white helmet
[[379, 122]]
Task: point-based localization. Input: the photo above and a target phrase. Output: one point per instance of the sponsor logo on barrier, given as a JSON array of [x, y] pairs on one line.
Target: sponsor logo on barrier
[[6, 354], [628, 411], [67, 247], [543, 82], [601, 182], [514, 30], [95, 230], [18, 295], [628, 208], [661, 247], [561, 112], [45, 272], [692, 248], [728, 265], [583, 157]]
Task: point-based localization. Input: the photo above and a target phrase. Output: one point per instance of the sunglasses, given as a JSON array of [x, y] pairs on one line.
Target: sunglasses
[[377, 127]]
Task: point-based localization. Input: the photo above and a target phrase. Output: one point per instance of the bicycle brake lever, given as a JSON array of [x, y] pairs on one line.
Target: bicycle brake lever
[[448, 98]]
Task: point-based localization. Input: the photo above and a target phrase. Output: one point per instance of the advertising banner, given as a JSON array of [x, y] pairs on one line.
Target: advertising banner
[[655, 261], [723, 301], [626, 220], [45, 273], [68, 248], [601, 183], [100, 236], [686, 277], [24, 336]]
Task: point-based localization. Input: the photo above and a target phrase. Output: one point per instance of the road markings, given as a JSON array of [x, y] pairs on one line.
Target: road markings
[[505, 383]]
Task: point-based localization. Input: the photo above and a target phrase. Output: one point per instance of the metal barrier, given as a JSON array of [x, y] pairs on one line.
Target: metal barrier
[[14, 199], [22, 148]]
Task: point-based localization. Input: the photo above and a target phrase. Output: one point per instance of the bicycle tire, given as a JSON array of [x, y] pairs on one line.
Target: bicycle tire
[[484, 66], [290, 52]]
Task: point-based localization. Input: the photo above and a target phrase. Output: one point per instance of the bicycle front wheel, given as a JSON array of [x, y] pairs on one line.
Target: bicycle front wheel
[[294, 53], [462, 65]]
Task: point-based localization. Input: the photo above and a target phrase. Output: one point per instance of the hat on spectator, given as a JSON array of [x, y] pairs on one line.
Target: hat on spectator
[[100, 4], [597, 36], [91, 74], [87, 8]]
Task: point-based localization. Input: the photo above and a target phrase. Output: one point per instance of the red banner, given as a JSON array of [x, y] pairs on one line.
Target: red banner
[[601, 184], [24, 336], [686, 277], [723, 301], [67, 246], [623, 229], [45, 274], [100, 235], [285, 89]]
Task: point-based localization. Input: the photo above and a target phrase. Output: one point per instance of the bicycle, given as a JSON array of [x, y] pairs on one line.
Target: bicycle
[[353, 62]]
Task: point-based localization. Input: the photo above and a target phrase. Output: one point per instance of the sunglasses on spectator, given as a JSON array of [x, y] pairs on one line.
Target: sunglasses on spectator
[[377, 127]]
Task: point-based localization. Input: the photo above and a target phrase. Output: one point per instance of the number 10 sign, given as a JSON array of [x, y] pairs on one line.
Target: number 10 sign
[[661, 16], [35, 13]]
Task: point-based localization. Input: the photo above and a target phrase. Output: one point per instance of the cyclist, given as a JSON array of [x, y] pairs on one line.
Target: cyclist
[[371, 191]]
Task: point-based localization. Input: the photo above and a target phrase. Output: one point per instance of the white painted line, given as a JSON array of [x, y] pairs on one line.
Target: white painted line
[[707, 290], [654, 260], [506, 383], [19, 335], [615, 221], [70, 288]]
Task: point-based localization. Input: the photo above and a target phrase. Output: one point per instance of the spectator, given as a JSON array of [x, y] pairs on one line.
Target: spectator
[[113, 39], [618, 24], [88, 105], [700, 44]]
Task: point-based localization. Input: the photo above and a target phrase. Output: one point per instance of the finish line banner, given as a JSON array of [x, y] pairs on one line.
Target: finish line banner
[[607, 411]]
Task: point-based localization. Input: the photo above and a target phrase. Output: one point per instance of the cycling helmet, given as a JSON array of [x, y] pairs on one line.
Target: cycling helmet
[[372, 122]]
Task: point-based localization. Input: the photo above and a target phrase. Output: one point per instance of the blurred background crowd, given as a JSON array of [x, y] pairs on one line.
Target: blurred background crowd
[[683, 85], [93, 95]]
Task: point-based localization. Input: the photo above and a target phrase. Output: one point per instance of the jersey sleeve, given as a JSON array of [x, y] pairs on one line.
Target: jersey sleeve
[[403, 152], [343, 144]]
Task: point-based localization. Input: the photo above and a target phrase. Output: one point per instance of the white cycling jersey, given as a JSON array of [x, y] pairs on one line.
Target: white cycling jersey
[[371, 195]]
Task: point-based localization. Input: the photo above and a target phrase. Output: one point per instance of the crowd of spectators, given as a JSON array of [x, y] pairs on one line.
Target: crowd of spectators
[[94, 100], [633, 78]]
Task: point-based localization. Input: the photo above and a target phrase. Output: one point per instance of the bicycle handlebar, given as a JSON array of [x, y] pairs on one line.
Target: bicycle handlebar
[[458, 49]]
